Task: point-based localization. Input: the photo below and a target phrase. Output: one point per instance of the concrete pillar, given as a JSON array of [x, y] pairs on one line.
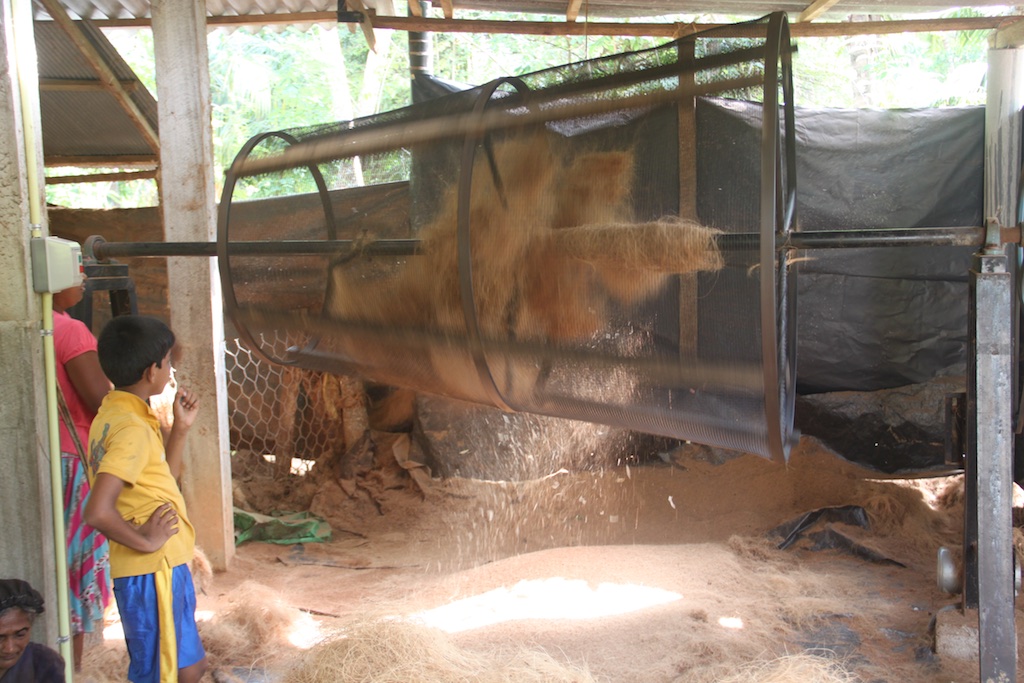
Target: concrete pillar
[[26, 522], [1005, 81], [189, 210]]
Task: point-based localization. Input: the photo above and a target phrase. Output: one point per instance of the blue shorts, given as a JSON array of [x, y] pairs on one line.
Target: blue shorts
[[138, 602]]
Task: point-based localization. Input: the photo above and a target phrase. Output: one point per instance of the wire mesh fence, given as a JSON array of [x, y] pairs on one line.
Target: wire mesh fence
[[278, 410]]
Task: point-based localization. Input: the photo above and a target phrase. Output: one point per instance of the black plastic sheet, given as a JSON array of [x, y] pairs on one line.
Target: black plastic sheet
[[868, 318]]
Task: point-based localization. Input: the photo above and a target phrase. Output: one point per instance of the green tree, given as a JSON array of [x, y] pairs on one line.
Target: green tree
[[893, 71]]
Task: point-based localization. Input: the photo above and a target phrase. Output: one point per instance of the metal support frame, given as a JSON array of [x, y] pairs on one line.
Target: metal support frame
[[988, 526], [110, 277]]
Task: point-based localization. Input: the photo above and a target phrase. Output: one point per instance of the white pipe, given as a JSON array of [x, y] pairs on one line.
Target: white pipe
[[28, 79]]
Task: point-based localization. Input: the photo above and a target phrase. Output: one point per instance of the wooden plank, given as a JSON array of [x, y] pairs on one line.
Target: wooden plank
[[815, 10], [269, 19], [415, 9], [448, 9], [120, 160], [602, 28], [366, 24], [120, 176], [573, 11], [808, 30], [78, 85], [106, 75]]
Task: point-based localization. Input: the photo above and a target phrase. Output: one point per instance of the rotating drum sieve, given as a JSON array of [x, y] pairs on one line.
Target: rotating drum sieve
[[545, 244]]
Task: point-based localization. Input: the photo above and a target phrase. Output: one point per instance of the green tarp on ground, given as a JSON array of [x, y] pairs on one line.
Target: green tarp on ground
[[285, 528]]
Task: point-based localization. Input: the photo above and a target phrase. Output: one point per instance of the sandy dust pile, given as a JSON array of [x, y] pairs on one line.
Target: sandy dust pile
[[653, 573]]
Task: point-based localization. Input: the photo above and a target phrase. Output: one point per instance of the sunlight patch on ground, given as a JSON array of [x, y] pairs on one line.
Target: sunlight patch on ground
[[299, 467], [554, 598], [731, 622], [113, 631], [305, 632]]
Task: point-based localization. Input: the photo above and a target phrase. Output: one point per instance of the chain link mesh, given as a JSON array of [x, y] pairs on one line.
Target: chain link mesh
[[272, 408]]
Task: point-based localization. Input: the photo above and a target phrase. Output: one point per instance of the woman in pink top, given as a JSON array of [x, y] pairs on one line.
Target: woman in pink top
[[83, 385]]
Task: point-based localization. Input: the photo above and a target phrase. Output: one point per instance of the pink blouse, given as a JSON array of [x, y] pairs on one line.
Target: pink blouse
[[71, 338]]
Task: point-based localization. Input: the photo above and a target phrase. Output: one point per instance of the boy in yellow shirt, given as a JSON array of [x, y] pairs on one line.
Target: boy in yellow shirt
[[136, 503]]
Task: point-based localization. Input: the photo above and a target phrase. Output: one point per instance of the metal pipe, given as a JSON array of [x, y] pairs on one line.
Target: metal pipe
[[421, 51], [966, 236], [102, 251], [371, 139]]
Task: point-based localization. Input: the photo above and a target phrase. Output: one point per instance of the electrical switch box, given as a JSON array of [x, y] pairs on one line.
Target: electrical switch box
[[56, 264]]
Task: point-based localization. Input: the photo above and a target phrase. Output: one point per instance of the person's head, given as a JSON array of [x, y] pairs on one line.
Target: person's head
[[19, 605], [67, 298], [133, 348]]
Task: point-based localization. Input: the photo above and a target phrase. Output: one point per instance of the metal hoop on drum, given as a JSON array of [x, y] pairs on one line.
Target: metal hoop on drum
[[223, 238], [466, 289], [778, 210]]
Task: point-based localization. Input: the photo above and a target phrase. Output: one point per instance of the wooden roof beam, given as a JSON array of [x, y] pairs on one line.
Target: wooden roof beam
[[573, 10], [106, 75], [366, 24], [815, 10], [414, 8], [448, 8], [666, 30], [117, 176], [596, 28], [102, 161], [79, 85]]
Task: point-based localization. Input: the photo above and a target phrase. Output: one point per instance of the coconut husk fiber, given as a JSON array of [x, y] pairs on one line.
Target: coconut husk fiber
[[254, 628], [103, 662], [393, 651], [802, 668], [553, 243], [551, 240]]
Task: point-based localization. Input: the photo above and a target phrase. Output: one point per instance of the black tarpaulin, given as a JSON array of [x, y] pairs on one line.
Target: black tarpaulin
[[867, 318], [877, 317]]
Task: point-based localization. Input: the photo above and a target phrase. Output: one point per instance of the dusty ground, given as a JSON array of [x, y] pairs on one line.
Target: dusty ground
[[636, 574]]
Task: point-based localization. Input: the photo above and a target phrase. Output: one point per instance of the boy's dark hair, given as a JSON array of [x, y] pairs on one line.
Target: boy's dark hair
[[18, 593], [129, 344]]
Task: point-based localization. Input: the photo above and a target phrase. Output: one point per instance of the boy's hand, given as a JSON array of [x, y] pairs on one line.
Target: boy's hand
[[186, 407], [160, 526]]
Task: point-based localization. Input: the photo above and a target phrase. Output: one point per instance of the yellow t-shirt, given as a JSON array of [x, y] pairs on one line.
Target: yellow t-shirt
[[125, 441]]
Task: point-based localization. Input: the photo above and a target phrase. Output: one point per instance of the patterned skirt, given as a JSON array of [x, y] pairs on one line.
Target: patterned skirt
[[88, 552]]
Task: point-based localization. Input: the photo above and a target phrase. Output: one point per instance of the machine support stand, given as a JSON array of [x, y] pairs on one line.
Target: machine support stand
[[988, 525]]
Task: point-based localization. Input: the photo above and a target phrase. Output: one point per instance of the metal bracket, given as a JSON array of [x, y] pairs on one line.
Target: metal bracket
[[347, 15]]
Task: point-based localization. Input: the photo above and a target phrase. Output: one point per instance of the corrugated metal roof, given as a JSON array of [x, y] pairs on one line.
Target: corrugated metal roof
[[80, 118], [140, 9]]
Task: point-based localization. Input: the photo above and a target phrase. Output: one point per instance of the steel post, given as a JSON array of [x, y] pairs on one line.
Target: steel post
[[988, 540]]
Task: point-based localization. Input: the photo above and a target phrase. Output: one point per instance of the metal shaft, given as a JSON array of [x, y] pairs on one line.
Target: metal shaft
[[968, 236]]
